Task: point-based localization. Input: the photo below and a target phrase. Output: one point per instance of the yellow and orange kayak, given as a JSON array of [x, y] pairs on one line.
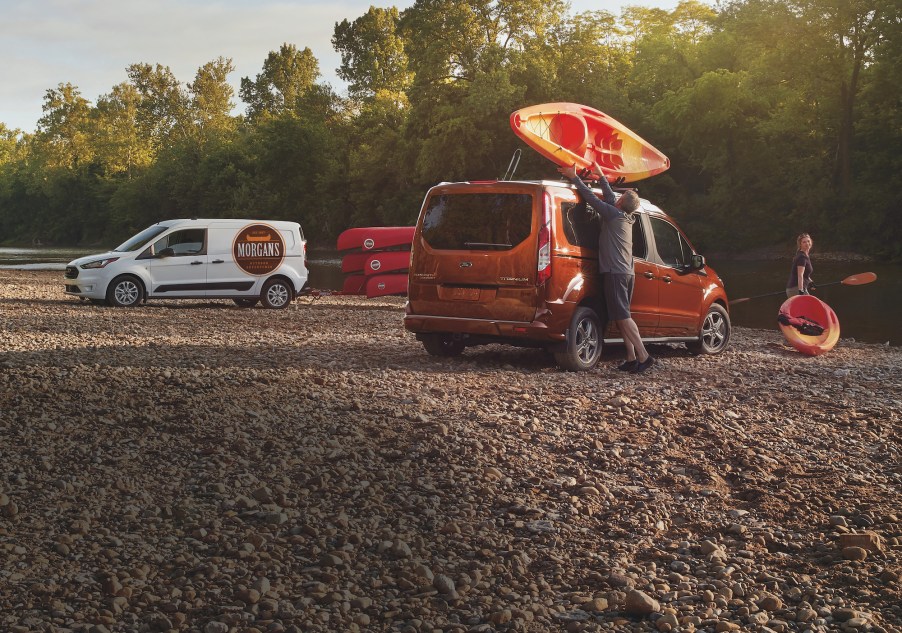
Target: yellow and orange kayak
[[808, 324], [569, 133]]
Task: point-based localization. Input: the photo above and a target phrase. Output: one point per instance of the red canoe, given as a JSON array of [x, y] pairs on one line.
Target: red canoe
[[354, 285], [386, 262], [569, 133], [371, 238], [387, 284], [354, 262], [808, 324]]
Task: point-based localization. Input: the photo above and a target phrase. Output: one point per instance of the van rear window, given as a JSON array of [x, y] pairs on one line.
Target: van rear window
[[478, 221]]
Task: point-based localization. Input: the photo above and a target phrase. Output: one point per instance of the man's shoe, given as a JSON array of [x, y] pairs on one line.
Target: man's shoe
[[629, 365], [640, 367]]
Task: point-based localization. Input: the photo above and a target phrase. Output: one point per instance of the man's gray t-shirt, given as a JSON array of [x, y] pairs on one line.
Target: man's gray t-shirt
[[615, 240]]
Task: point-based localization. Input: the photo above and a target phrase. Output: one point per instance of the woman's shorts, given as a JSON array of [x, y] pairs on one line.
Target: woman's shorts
[[618, 290]]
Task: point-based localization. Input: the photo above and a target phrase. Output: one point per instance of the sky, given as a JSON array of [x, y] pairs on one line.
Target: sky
[[89, 43]]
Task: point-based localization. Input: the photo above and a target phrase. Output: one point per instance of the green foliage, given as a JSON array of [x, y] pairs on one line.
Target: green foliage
[[373, 59], [8, 143], [286, 76], [62, 139], [211, 98], [779, 116]]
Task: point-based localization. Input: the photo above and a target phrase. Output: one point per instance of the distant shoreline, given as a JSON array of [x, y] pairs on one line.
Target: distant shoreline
[[775, 253]]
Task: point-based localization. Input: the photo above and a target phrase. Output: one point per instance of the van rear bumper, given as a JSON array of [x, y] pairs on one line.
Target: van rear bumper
[[528, 330]]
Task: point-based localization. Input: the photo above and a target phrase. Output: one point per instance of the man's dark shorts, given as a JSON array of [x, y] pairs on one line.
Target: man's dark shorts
[[618, 290]]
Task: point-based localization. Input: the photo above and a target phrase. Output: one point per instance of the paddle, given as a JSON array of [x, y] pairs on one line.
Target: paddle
[[852, 280]]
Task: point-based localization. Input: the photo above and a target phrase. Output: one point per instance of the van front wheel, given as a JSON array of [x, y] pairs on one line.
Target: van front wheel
[[442, 345], [584, 342], [125, 292], [277, 294], [715, 334]]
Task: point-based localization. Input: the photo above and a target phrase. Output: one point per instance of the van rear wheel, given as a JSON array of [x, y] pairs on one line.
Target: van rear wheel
[[277, 294], [584, 342], [442, 345]]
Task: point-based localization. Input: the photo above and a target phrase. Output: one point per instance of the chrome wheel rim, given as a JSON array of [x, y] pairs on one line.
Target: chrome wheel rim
[[586, 341], [126, 293], [277, 295], [714, 331]]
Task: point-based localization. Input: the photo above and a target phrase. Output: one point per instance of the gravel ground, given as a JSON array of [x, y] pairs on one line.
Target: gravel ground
[[193, 466]]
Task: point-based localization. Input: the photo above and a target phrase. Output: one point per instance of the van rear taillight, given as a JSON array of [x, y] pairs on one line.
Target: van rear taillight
[[543, 270]]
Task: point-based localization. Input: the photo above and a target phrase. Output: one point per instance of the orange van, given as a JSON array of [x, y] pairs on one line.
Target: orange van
[[516, 262]]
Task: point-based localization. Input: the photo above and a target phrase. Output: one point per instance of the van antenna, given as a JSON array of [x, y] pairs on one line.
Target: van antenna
[[515, 161]]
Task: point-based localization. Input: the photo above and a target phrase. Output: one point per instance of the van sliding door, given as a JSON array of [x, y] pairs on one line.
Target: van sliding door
[[224, 277]]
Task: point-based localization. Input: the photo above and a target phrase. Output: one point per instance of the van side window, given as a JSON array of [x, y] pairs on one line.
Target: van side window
[[673, 250], [186, 242], [580, 227], [640, 244]]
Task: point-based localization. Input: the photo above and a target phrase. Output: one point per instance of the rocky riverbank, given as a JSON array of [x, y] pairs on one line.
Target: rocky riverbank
[[193, 466]]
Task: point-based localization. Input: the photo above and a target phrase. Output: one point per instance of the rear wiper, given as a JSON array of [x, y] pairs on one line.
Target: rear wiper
[[486, 244]]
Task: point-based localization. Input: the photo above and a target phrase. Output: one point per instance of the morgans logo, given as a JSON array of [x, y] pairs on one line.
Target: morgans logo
[[258, 249]]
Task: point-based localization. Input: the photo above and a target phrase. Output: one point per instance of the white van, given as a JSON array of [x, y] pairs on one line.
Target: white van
[[243, 260]]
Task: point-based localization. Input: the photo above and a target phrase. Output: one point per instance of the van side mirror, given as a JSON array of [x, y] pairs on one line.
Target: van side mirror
[[166, 252], [697, 262]]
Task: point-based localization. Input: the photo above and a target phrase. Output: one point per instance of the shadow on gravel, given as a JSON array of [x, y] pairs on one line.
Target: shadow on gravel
[[327, 355], [197, 304]]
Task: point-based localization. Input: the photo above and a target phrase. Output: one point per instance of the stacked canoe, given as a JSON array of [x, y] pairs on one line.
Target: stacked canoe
[[376, 260]]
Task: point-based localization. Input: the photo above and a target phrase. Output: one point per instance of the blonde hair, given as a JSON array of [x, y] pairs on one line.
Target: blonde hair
[[801, 237]]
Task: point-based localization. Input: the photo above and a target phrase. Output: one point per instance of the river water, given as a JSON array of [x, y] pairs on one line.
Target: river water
[[869, 313]]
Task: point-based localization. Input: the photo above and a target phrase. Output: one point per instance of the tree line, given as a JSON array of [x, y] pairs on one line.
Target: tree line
[[779, 116]]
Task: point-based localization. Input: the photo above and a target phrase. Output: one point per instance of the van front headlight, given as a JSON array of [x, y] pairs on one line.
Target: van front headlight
[[99, 263]]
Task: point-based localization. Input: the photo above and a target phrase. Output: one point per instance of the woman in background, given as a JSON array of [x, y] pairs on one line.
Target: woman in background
[[800, 275]]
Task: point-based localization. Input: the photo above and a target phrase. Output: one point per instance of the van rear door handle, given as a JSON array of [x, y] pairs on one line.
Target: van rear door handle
[[666, 279], [218, 261], [196, 263], [649, 274]]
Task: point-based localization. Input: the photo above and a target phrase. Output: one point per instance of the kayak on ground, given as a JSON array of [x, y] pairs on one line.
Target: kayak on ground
[[808, 324]]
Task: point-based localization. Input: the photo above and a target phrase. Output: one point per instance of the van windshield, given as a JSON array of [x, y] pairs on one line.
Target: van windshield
[[141, 240], [478, 221]]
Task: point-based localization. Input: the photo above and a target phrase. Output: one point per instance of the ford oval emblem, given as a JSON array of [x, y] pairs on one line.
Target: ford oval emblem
[[466, 264]]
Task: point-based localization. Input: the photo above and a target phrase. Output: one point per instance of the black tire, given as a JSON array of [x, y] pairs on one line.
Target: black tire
[[442, 345], [277, 294], [715, 334], [246, 303], [585, 340], [126, 291]]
